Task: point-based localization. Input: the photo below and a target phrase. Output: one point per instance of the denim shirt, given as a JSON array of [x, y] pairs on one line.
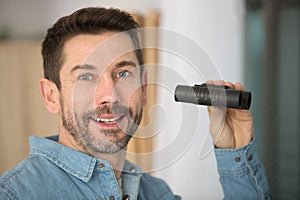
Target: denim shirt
[[241, 173], [54, 171]]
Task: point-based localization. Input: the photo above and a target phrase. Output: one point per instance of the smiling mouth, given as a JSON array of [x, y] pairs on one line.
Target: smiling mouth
[[108, 121]]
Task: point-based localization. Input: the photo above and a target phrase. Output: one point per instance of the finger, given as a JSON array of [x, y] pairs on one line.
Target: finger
[[216, 82], [219, 82], [217, 117], [215, 111], [209, 82], [229, 84], [239, 86]]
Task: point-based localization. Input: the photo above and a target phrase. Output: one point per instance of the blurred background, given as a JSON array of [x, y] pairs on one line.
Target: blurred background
[[255, 42]]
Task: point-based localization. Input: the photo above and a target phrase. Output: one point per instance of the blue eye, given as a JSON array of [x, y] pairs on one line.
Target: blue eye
[[123, 74], [85, 77]]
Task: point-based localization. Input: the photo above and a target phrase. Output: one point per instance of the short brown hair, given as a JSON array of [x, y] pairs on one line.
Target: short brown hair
[[93, 20]]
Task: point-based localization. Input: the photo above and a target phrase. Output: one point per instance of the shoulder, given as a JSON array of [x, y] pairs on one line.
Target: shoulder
[[26, 175], [154, 187], [28, 167], [10, 178]]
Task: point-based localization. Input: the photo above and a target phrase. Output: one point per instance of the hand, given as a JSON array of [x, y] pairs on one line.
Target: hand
[[230, 128]]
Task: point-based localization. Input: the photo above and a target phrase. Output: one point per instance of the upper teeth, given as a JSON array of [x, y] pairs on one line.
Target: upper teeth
[[108, 121]]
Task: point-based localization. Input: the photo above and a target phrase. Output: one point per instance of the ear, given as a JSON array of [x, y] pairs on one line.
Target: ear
[[144, 86], [50, 95]]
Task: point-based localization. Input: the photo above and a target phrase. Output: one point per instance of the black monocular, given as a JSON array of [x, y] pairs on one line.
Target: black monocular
[[211, 95]]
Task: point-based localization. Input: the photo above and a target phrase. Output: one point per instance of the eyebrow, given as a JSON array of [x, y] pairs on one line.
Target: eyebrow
[[84, 66], [92, 67], [125, 63]]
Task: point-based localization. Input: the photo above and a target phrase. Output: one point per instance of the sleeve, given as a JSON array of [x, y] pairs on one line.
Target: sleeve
[[242, 175]]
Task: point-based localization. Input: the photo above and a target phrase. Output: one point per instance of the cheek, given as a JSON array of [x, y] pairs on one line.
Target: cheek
[[134, 99], [82, 96], [127, 92]]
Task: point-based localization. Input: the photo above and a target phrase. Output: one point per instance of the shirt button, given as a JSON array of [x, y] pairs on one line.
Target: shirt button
[[250, 157], [132, 169], [101, 165], [111, 198], [237, 159], [126, 197]]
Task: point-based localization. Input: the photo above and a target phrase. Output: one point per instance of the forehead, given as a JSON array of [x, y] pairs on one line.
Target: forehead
[[98, 49]]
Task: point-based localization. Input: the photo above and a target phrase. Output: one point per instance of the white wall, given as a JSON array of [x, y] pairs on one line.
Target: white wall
[[215, 25], [218, 27]]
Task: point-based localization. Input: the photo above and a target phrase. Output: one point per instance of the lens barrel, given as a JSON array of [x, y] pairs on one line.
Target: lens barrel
[[211, 95]]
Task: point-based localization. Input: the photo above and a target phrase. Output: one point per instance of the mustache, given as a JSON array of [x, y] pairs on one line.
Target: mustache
[[114, 110]]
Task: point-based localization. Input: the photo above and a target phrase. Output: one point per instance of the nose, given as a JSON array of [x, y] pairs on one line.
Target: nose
[[106, 93]]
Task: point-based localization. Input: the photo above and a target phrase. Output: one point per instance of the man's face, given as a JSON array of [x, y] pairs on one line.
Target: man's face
[[102, 94]]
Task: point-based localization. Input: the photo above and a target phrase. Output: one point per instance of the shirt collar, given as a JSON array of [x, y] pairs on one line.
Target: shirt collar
[[74, 162]]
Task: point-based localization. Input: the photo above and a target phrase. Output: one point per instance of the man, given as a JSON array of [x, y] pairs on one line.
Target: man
[[95, 80]]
